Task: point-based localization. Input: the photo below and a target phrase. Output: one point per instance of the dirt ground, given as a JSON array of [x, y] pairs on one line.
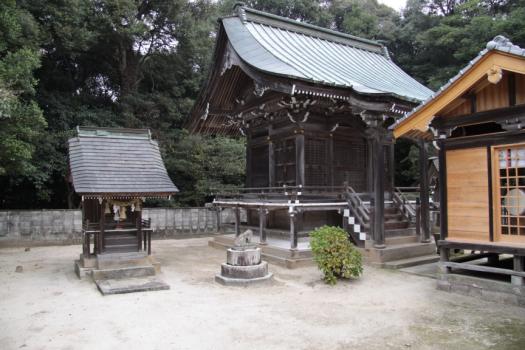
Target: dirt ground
[[47, 307]]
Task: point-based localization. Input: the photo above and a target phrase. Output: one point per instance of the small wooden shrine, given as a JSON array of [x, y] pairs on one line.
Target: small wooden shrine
[[314, 106], [115, 171], [476, 121]]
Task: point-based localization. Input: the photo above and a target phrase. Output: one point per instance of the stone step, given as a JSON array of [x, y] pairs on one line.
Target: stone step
[[398, 252], [117, 260], [124, 272], [290, 263], [130, 285], [394, 240], [408, 231], [418, 260]]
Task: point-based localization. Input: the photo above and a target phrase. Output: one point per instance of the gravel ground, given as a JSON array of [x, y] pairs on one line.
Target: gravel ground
[[46, 307]]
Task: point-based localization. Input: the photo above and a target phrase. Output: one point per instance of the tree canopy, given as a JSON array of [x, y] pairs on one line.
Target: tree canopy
[[141, 63]]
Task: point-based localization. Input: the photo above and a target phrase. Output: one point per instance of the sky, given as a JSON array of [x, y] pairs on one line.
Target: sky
[[395, 4]]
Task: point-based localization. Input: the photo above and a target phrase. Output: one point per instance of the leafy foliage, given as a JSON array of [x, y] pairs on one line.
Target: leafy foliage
[[21, 120], [334, 254]]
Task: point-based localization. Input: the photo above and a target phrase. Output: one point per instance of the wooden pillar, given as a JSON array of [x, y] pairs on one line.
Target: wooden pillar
[[424, 193], [218, 211], [519, 265], [443, 220], [102, 222], [139, 229], [271, 164], [299, 159], [248, 160], [237, 221], [293, 230], [369, 165], [331, 161], [262, 225], [379, 191], [392, 165]]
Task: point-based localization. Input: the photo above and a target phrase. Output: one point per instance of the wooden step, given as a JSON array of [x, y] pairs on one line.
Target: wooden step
[[121, 248]]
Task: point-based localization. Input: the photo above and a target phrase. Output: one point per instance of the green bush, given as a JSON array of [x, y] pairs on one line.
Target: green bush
[[334, 254]]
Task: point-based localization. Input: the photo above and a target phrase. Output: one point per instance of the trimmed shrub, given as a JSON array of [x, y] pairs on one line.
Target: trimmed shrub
[[334, 254]]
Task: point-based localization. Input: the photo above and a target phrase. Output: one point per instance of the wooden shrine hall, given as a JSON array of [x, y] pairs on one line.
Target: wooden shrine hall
[[477, 122], [115, 171], [314, 106]]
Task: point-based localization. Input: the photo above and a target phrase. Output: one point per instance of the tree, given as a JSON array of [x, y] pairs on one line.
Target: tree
[[21, 120]]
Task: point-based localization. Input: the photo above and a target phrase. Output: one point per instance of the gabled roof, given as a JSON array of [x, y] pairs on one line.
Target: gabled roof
[[499, 53], [117, 162], [287, 48]]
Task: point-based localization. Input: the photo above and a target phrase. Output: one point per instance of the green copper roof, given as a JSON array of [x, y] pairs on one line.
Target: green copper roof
[[284, 47]]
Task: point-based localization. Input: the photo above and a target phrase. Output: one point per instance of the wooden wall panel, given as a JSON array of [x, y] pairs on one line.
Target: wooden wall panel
[[468, 194], [462, 109], [493, 96], [520, 89]]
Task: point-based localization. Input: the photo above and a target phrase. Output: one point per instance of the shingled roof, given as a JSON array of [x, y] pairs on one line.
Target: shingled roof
[[107, 162], [284, 47]]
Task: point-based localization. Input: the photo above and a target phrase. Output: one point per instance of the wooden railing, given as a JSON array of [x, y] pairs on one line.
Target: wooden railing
[[284, 193], [359, 208], [406, 199]]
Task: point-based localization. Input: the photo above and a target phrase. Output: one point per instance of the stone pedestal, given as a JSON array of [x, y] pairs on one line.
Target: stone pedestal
[[243, 267]]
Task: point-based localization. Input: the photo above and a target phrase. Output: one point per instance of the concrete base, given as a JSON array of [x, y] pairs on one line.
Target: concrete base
[[227, 281], [130, 285], [482, 288], [243, 267]]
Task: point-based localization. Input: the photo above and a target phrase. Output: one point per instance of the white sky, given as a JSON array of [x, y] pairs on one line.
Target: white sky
[[395, 4]]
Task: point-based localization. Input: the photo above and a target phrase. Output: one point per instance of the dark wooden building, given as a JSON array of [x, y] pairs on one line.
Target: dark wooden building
[[115, 171], [476, 121], [314, 106]]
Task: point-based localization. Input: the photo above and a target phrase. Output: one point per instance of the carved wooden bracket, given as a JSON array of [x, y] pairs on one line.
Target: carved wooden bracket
[[494, 74]]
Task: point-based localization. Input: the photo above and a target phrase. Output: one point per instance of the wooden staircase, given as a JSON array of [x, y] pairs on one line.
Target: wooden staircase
[[403, 246]]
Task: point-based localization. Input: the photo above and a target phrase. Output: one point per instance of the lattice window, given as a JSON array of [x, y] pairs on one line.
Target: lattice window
[[510, 184], [316, 162], [259, 166], [285, 162], [350, 163]]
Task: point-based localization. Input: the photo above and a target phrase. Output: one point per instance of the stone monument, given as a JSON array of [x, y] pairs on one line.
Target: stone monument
[[243, 263]]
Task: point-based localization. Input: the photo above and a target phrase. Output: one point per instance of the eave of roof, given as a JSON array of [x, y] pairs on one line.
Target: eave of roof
[[420, 116], [295, 50]]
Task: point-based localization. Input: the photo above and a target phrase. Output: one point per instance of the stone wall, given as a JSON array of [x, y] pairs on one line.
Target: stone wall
[[22, 227]]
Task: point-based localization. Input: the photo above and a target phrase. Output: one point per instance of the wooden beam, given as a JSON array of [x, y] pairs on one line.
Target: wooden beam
[[101, 247], [379, 193], [443, 213], [424, 193], [481, 268], [494, 115], [489, 247], [299, 159]]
